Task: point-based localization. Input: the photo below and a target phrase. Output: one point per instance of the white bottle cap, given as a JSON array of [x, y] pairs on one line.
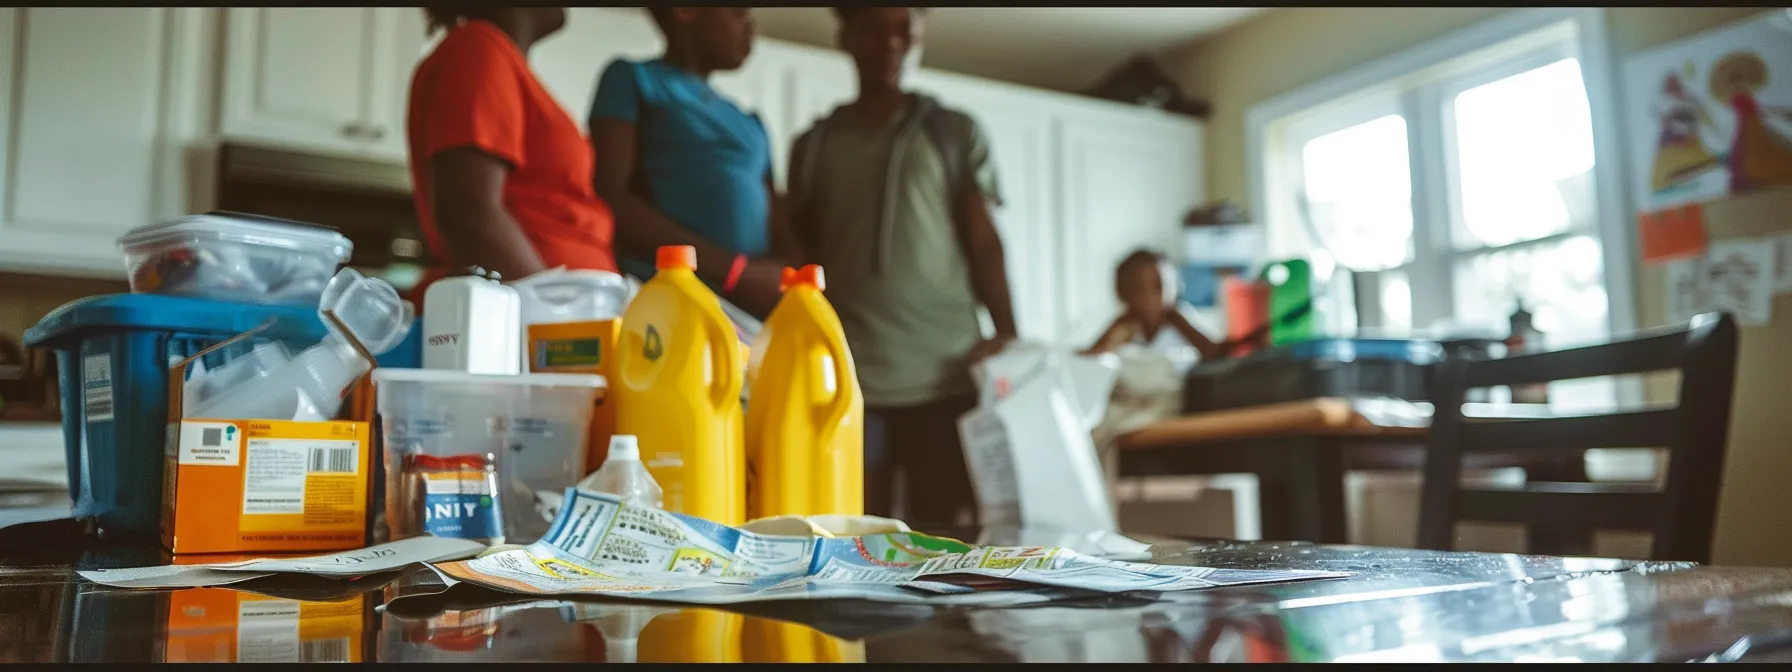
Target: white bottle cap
[[624, 447]]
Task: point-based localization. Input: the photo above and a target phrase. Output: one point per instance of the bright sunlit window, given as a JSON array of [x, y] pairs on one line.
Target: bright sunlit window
[[1456, 193]]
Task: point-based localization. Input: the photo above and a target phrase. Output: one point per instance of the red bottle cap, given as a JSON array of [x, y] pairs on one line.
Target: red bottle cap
[[810, 276], [676, 256]]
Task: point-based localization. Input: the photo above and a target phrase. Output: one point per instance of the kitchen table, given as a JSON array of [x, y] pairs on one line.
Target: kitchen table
[[1300, 451], [1399, 605]]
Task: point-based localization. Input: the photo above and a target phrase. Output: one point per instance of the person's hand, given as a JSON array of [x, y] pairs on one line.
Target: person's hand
[[989, 348], [758, 291]]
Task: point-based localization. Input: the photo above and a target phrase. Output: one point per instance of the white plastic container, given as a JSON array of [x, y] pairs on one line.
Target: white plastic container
[[560, 295], [472, 324], [535, 425], [234, 257]]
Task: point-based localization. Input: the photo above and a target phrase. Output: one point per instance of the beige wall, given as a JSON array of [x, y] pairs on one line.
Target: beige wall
[[1284, 49]]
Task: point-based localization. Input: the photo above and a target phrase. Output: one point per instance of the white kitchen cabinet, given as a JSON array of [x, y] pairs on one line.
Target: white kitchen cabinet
[[105, 112], [569, 62], [330, 79], [1126, 178]]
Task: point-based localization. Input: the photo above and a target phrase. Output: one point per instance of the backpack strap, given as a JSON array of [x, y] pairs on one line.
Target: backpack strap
[[950, 133]]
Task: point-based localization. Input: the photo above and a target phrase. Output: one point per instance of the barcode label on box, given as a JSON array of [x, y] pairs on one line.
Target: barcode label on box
[[217, 444], [333, 459], [327, 650], [274, 480], [96, 388]]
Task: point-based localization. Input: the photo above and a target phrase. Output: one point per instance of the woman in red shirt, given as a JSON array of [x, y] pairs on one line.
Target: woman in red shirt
[[501, 174]]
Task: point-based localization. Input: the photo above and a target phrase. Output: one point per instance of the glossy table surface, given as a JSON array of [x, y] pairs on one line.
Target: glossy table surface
[[1400, 605]]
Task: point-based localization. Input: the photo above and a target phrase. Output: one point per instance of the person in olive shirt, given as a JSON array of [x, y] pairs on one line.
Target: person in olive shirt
[[891, 194]]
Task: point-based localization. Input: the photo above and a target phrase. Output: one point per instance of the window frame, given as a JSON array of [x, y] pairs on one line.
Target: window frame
[[1423, 80]]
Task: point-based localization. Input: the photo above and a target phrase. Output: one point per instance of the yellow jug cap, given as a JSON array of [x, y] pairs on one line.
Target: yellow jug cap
[[676, 256], [809, 275]]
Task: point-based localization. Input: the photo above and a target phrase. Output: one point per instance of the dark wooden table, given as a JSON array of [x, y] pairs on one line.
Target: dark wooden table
[[1400, 605], [1301, 450]]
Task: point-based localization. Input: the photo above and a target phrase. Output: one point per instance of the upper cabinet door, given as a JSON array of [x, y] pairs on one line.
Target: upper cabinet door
[[398, 46], [1126, 180], [100, 107], [303, 76]]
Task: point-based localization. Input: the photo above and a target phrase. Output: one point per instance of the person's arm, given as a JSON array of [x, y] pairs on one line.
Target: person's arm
[[1208, 349], [1109, 339], [642, 228], [466, 188], [470, 142], [785, 244], [983, 247]]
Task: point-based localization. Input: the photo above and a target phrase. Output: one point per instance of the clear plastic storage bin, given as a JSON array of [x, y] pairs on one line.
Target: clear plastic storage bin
[[234, 257], [532, 428]]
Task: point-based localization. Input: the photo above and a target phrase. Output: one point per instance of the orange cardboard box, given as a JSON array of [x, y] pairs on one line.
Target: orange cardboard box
[[219, 625], [243, 486], [581, 347]]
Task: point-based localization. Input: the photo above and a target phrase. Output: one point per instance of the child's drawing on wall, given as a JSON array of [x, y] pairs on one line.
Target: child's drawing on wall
[[1760, 155], [1680, 152]]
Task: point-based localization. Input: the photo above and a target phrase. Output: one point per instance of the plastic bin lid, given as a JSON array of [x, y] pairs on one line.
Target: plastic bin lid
[[172, 313], [530, 379], [1416, 351], [241, 228]]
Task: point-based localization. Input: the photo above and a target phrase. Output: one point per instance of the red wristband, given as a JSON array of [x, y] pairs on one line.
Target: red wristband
[[734, 272]]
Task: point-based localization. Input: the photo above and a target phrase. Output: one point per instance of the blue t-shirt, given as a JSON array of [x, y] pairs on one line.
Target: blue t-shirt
[[705, 162]]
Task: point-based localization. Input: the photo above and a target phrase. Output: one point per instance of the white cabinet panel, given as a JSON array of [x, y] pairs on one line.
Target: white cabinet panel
[[330, 79], [1124, 183], [569, 62], [100, 104], [389, 83], [299, 75]]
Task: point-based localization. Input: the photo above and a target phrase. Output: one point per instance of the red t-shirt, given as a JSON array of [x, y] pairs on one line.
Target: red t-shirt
[[476, 90]]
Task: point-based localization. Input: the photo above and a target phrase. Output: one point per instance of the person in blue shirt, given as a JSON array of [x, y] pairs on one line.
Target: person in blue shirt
[[680, 164]]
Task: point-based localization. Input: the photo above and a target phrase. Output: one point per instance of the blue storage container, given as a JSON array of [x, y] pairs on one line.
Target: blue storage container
[[113, 353], [1323, 367]]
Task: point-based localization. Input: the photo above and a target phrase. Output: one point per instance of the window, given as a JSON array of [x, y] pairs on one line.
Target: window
[[1456, 184]]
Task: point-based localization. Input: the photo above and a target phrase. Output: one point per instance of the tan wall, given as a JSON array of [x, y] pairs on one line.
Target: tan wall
[[1287, 48]]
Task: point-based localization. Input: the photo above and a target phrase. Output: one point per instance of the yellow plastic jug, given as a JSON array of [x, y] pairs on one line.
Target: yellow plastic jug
[[694, 635], [677, 388], [806, 419], [767, 641]]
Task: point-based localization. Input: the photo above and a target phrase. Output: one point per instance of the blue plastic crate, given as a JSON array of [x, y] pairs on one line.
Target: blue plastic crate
[[113, 354]]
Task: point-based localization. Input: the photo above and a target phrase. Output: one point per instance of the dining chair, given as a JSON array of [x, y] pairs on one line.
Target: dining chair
[[1680, 513]]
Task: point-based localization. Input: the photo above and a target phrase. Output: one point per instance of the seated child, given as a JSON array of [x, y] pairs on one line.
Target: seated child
[[1153, 318]]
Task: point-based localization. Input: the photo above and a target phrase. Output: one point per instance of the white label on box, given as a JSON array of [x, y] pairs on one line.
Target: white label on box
[[267, 631], [211, 444], [96, 387], [274, 481]]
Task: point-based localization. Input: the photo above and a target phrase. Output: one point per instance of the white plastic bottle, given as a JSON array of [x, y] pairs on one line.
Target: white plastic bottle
[[623, 474], [472, 323]]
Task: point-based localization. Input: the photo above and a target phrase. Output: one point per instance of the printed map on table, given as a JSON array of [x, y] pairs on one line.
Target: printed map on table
[[600, 546]]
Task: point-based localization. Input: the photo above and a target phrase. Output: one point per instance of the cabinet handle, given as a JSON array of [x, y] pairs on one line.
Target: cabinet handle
[[353, 130], [376, 132]]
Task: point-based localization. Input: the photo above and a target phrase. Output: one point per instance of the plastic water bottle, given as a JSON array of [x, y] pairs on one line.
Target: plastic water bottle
[[624, 476]]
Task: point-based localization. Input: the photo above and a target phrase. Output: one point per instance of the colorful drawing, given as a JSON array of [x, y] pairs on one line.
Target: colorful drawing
[[1711, 115], [1759, 155], [1679, 152]]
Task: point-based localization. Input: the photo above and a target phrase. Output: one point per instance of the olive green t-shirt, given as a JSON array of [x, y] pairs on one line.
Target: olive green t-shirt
[[910, 327]]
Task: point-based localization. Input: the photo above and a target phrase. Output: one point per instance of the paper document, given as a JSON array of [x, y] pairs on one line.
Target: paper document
[[347, 564], [600, 546]]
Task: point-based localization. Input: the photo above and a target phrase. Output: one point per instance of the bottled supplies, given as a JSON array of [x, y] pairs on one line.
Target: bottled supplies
[[472, 323], [624, 476], [677, 387], [805, 430]]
